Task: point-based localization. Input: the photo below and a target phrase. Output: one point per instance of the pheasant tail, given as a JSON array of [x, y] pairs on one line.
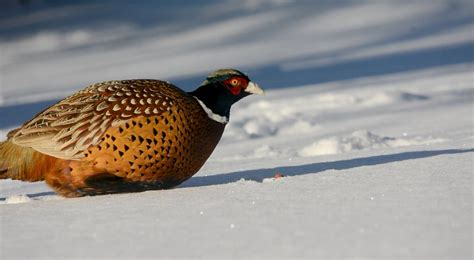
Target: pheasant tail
[[23, 163]]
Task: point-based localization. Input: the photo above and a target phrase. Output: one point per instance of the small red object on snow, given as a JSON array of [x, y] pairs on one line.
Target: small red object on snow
[[278, 175]]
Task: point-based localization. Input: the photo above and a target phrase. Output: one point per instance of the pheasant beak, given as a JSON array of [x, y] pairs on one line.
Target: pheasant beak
[[253, 88]]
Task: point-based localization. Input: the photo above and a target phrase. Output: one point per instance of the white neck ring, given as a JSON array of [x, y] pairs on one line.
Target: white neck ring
[[212, 115]]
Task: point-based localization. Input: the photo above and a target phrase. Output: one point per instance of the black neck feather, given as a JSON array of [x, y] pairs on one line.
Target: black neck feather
[[216, 97]]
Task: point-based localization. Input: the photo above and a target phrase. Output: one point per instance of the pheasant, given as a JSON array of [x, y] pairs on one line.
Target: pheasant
[[124, 135]]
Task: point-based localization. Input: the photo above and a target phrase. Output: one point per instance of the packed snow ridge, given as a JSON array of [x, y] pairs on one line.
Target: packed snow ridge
[[361, 140], [284, 117]]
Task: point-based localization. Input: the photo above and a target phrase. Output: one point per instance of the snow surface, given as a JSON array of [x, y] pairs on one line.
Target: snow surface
[[369, 120]]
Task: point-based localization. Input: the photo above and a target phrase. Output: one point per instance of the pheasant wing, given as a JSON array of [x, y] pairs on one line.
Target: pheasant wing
[[68, 128]]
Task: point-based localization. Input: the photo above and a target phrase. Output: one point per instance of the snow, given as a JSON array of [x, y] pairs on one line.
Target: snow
[[362, 146], [17, 199], [360, 140]]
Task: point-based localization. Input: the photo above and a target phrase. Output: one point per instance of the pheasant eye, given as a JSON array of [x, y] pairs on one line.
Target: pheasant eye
[[234, 82]]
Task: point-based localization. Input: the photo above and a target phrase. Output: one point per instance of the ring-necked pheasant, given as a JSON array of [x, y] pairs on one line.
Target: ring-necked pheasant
[[124, 135]]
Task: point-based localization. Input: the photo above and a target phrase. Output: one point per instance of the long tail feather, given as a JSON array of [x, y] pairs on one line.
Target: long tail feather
[[23, 163]]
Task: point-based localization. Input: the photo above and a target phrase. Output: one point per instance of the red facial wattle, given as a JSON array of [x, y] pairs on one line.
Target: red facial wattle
[[235, 85], [235, 90]]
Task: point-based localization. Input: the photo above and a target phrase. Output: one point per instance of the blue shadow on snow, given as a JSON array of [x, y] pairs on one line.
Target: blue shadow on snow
[[314, 168]]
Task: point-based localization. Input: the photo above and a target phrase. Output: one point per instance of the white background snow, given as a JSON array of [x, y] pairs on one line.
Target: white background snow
[[368, 115]]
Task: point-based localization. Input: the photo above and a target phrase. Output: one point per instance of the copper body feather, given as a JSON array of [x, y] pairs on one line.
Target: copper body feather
[[117, 136]]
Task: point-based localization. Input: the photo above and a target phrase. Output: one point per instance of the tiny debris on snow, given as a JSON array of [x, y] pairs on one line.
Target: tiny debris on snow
[[278, 175]]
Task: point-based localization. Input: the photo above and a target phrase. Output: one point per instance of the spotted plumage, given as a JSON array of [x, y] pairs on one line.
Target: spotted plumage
[[124, 136]]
